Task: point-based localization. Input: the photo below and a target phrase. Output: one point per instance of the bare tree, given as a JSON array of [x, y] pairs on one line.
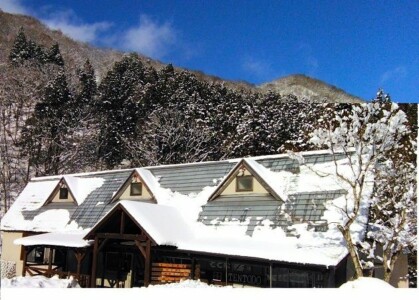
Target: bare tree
[[370, 136], [170, 138]]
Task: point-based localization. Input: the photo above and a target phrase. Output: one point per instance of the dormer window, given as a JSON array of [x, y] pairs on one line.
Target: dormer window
[[63, 193], [136, 189], [244, 183]]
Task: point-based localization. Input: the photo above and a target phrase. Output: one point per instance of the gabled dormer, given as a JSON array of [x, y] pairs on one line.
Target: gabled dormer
[[138, 186], [62, 193], [247, 178], [72, 189]]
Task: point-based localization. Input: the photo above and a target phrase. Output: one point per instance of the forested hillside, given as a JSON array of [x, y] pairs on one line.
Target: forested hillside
[[66, 107]]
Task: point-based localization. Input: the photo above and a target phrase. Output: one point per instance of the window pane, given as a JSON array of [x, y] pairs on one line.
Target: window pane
[[63, 193], [244, 183], [136, 189]]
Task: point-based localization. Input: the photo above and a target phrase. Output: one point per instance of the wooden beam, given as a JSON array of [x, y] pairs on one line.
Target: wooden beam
[[192, 275], [49, 261], [122, 227], [79, 257], [118, 236], [270, 275], [25, 258], [102, 245], [142, 250], [94, 262], [147, 264]]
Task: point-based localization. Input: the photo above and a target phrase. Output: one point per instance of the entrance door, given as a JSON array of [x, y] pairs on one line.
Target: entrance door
[[118, 269], [138, 270]]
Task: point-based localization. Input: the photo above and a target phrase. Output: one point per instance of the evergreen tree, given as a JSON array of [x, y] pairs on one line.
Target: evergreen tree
[[118, 103], [85, 99], [54, 55], [36, 53], [20, 50], [44, 137]]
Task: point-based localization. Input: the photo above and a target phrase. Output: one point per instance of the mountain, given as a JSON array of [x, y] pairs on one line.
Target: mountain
[[75, 53], [305, 87]]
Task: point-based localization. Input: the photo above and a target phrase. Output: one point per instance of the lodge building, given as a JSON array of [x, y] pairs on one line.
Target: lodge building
[[259, 222]]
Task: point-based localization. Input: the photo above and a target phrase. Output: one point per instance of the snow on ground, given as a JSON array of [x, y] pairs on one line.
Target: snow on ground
[[39, 282], [366, 283], [189, 283]]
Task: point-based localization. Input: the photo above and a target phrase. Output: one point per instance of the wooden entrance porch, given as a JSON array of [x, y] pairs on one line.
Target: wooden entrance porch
[[48, 261], [118, 233]]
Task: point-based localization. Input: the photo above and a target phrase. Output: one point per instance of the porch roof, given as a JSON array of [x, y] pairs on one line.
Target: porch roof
[[63, 239], [163, 224]]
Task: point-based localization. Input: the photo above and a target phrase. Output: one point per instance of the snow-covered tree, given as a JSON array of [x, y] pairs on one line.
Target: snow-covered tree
[[54, 55], [118, 104], [169, 138], [44, 137], [375, 137], [20, 50]]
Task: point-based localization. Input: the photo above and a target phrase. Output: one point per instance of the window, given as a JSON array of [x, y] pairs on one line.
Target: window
[[63, 193], [244, 183], [136, 189], [36, 255]]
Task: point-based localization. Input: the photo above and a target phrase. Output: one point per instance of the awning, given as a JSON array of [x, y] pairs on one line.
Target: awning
[[63, 239]]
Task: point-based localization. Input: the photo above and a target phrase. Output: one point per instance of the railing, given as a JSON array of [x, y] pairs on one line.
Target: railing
[[39, 269]]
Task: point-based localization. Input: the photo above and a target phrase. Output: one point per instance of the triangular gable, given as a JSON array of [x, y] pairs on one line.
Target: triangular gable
[[110, 223], [138, 175], [162, 224], [62, 183], [78, 189], [255, 170]]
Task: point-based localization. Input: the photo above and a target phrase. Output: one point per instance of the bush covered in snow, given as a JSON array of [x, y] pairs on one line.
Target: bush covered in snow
[[8, 269], [39, 282], [366, 283]]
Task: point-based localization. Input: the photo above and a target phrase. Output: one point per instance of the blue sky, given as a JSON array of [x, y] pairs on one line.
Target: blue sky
[[358, 46]]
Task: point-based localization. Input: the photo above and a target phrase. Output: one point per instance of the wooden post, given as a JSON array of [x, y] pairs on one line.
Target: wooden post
[[122, 227], [49, 272], [192, 276], [270, 275], [94, 263], [25, 257], [147, 266], [226, 270], [79, 257]]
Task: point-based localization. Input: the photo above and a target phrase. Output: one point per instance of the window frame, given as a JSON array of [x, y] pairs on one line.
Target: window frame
[[131, 192], [60, 193], [238, 189]]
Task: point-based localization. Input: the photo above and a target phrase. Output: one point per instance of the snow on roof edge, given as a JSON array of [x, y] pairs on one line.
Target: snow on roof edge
[[232, 160], [53, 177]]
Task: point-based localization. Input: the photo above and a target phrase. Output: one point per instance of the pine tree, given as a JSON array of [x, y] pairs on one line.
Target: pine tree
[[20, 50], [85, 99], [118, 103], [44, 137], [54, 55]]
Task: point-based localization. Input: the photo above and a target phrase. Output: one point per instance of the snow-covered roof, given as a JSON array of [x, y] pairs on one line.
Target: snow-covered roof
[[166, 226], [275, 181], [182, 194], [81, 187], [64, 239], [163, 223]]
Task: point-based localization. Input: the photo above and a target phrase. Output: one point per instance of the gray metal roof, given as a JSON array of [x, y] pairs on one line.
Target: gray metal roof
[[97, 204], [191, 178], [305, 207], [244, 210], [249, 210]]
